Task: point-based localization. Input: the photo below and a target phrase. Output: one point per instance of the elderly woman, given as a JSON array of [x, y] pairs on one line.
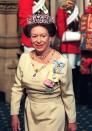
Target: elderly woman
[[47, 78]]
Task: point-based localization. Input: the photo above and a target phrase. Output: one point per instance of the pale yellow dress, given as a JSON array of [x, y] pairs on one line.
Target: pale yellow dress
[[44, 109]]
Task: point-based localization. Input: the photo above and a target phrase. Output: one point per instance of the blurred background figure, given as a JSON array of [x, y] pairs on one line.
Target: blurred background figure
[[86, 56], [25, 9], [67, 20]]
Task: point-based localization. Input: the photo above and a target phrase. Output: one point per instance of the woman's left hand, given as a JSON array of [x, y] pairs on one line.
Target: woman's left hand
[[72, 127]]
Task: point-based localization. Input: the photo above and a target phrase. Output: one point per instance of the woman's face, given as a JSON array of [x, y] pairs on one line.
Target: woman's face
[[40, 38]]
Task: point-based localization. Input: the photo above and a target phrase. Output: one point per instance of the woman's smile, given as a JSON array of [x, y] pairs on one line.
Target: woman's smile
[[39, 45]]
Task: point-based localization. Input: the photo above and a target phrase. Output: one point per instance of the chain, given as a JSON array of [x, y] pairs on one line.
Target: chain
[[42, 67]]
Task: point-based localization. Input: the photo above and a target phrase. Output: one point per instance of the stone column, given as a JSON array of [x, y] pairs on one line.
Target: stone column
[[8, 45], [8, 23], [53, 7]]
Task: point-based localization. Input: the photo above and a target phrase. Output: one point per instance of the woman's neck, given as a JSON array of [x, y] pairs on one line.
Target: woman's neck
[[45, 57], [44, 54]]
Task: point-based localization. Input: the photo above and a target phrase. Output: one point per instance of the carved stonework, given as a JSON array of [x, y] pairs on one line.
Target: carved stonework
[[8, 23], [9, 45], [8, 6]]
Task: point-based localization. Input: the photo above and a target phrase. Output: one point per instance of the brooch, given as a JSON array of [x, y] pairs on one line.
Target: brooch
[[57, 67], [53, 76], [49, 86]]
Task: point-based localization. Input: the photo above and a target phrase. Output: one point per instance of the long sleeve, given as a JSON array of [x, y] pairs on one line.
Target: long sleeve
[[24, 11], [61, 22], [17, 90], [68, 94]]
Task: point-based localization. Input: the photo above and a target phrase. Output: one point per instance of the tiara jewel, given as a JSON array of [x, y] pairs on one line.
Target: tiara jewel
[[40, 18]]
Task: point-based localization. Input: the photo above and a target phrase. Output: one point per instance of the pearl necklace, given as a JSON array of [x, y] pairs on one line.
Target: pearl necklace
[[42, 67]]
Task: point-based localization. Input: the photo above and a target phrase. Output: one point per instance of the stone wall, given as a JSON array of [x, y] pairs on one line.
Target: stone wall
[[9, 45]]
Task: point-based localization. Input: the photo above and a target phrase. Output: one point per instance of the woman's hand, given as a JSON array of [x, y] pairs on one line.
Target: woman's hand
[[72, 127], [15, 123]]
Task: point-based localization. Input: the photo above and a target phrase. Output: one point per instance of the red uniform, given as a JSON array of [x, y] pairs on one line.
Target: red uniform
[[25, 10], [65, 47]]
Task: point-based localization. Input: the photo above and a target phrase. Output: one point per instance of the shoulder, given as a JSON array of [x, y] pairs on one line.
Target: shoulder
[[24, 57], [61, 60], [61, 10], [59, 56]]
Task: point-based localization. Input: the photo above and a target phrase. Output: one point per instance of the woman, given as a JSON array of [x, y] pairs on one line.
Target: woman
[[46, 76]]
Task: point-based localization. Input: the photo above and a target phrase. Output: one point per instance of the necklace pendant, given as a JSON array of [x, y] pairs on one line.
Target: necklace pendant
[[34, 75], [36, 70]]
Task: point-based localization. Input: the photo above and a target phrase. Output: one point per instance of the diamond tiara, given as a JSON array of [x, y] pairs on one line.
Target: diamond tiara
[[40, 18]]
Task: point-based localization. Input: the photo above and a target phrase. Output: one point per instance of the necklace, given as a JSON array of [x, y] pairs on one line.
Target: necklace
[[36, 71], [39, 56]]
